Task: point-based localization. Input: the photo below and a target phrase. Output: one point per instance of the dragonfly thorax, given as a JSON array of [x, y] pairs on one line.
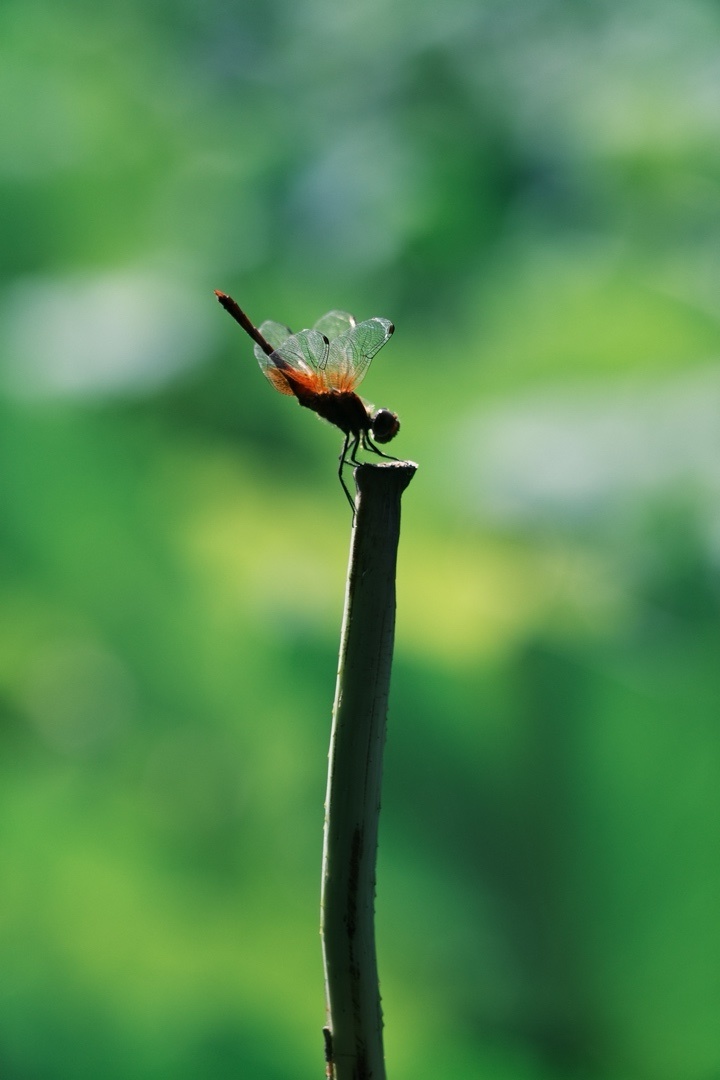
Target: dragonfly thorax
[[344, 409], [350, 413]]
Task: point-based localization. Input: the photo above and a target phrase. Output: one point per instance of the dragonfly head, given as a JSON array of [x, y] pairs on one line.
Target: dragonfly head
[[385, 425]]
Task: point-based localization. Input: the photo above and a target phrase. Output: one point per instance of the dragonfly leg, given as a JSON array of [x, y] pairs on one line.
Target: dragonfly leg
[[343, 459], [368, 444], [353, 452]]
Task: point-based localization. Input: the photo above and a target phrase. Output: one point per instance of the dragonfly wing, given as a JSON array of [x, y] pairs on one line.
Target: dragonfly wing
[[350, 354], [298, 362], [334, 324], [275, 334], [305, 352]]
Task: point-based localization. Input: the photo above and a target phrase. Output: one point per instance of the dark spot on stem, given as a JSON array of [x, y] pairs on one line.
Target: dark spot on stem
[[330, 1069], [361, 1066]]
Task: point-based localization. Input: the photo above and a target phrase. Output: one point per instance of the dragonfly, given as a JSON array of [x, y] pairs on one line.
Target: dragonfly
[[322, 368]]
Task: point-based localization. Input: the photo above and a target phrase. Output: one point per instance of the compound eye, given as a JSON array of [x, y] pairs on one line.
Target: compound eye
[[385, 425]]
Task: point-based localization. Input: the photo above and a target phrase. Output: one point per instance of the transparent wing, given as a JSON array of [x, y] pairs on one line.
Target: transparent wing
[[275, 334], [350, 354], [306, 352], [335, 323], [298, 361]]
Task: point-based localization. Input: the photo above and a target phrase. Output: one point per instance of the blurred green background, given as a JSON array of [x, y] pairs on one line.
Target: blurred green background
[[531, 192]]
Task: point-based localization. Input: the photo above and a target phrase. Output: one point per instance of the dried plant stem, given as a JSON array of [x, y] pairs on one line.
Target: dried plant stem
[[354, 1045]]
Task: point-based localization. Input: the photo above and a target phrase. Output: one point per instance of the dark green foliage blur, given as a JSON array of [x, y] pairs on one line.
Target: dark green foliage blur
[[531, 192]]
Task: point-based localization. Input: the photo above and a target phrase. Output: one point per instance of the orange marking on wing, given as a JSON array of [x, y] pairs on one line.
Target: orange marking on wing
[[346, 383], [309, 381], [279, 380]]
